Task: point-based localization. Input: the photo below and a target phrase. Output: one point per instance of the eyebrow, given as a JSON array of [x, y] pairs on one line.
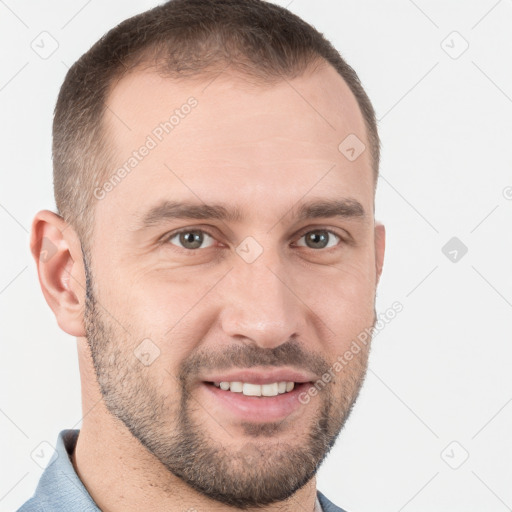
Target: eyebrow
[[344, 208]]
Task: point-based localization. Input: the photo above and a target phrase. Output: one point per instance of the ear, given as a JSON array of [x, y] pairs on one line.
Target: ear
[[57, 252], [380, 245]]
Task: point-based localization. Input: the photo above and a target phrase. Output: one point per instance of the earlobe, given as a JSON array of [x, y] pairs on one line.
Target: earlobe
[[380, 245], [57, 252]]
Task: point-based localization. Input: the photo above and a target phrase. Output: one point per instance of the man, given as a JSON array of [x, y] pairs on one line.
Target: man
[[215, 253]]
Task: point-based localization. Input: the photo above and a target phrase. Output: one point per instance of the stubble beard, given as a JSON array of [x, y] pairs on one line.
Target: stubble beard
[[256, 473]]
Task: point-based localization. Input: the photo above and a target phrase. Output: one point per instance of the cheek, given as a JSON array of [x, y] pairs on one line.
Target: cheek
[[344, 300], [348, 286], [170, 308]]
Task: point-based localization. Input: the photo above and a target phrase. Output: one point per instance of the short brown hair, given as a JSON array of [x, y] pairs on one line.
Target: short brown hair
[[181, 38]]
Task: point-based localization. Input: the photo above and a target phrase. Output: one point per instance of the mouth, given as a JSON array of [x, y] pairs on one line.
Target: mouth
[[253, 402], [258, 390]]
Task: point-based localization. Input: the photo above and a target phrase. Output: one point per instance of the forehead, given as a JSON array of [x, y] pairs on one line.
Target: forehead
[[209, 137]]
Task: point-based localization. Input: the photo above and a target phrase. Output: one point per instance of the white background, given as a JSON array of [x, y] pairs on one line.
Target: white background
[[440, 371]]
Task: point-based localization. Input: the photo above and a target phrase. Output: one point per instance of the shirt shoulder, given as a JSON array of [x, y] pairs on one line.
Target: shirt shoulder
[[60, 489], [328, 506], [31, 506]]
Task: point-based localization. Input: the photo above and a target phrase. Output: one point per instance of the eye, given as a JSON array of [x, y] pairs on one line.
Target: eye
[[319, 239], [191, 239]]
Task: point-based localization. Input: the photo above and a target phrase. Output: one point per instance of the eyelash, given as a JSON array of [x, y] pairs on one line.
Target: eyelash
[[167, 238]]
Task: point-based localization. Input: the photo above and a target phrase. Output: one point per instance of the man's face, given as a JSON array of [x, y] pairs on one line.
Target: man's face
[[275, 295]]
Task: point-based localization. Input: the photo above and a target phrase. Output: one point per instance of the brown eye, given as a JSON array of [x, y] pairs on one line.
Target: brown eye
[[191, 239], [320, 239]]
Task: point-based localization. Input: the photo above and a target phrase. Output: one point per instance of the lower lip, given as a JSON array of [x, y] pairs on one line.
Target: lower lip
[[255, 408]]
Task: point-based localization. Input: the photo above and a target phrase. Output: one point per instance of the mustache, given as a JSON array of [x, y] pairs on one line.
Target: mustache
[[291, 353]]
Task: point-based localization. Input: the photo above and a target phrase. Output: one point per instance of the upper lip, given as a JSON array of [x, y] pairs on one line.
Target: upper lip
[[262, 376]]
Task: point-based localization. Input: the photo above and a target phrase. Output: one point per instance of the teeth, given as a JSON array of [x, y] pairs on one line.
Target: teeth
[[237, 387], [269, 389], [248, 389], [251, 389]]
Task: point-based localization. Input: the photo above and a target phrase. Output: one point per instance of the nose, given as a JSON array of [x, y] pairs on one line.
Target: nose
[[261, 305]]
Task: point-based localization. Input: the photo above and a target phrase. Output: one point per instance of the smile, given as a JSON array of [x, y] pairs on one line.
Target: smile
[[250, 389]]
